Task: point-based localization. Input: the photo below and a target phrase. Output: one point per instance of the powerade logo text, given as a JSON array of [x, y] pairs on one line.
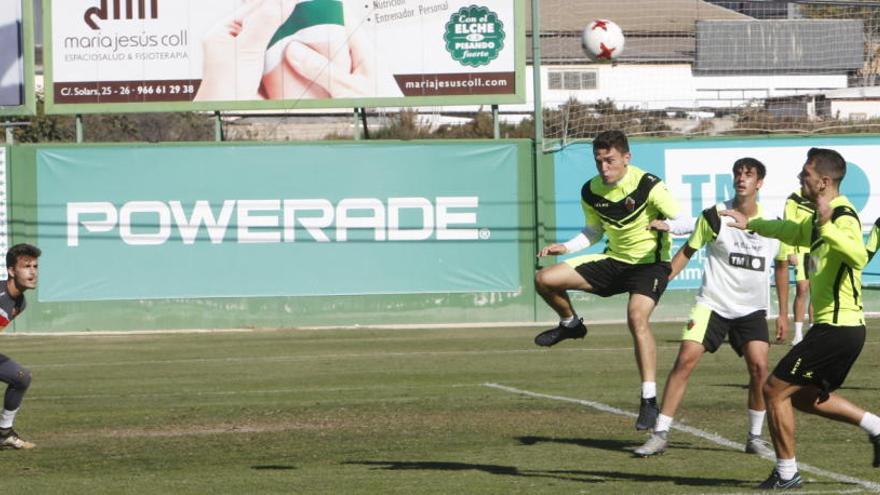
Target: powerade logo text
[[272, 221]]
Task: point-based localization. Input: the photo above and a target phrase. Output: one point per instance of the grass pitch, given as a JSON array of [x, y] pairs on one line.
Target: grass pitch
[[392, 411]]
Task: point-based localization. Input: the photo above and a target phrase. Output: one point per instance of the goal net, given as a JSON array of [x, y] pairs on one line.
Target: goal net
[[712, 67]]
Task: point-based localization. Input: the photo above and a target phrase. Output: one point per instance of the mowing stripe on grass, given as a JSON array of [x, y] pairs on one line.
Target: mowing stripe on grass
[[318, 357], [712, 437]]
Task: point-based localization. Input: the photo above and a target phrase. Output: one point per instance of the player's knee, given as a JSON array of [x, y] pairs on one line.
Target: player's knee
[[637, 322], [770, 392], [758, 371], [685, 363], [22, 379], [544, 281], [540, 279]]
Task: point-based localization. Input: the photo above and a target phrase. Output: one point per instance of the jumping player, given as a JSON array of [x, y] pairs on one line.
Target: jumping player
[[619, 202]]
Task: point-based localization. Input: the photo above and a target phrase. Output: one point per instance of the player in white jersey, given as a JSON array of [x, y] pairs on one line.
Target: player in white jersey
[[732, 302]]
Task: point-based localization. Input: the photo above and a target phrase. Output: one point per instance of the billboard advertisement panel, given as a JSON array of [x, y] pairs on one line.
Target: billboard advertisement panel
[[698, 173], [277, 220], [150, 55], [16, 57]]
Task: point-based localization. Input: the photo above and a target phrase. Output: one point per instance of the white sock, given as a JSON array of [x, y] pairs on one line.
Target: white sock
[[786, 468], [798, 329], [569, 322], [7, 418], [649, 389], [756, 422], [663, 423], [870, 423]]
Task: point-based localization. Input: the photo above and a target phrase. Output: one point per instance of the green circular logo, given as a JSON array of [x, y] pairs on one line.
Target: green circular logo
[[474, 36]]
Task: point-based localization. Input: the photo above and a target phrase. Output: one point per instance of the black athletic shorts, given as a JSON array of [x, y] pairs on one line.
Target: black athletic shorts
[[710, 329], [823, 358], [609, 276]]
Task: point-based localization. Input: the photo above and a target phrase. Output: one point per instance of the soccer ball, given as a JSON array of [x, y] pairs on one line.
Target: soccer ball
[[602, 40]]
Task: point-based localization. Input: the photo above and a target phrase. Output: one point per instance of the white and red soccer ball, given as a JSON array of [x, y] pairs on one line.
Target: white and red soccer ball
[[602, 40]]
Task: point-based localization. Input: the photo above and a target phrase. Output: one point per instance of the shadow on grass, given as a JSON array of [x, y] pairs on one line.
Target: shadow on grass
[[844, 388], [581, 476], [733, 385], [440, 466], [273, 467], [609, 444], [593, 443]]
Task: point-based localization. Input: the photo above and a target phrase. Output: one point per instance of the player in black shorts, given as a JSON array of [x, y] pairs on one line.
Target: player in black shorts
[[619, 203], [807, 377]]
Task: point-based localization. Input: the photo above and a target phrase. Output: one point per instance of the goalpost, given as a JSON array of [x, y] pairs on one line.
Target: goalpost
[[708, 67]]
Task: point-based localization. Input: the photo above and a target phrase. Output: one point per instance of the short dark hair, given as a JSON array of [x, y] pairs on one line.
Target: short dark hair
[[611, 139], [827, 162], [750, 163], [20, 250]]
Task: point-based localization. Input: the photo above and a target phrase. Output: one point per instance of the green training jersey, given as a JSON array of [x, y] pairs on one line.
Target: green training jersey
[[797, 209], [873, 240], [624, 210], [837, 256]]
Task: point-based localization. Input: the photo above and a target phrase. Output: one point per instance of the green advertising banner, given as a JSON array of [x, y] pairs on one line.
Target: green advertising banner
[[277, 220]]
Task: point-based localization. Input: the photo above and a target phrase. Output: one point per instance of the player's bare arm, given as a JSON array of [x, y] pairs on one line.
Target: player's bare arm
[[680, 260]]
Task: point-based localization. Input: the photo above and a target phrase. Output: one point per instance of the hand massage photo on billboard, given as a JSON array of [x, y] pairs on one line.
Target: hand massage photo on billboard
[[146, 55], [16, 57]]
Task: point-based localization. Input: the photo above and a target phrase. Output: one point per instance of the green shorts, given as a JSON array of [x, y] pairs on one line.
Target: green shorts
[[710, 329]]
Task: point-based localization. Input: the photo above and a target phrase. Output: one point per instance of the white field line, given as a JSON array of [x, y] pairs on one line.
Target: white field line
[[712, 437]]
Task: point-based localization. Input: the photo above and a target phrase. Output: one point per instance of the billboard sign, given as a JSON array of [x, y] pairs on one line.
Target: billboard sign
[[16, 58], [277, 220], [151, 55]]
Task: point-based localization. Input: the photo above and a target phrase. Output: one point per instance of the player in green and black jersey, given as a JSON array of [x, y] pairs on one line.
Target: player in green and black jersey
[[619, 203], [806, 378]]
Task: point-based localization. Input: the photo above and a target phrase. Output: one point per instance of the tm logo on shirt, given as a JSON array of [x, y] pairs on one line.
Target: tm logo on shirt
[[746, 261]]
